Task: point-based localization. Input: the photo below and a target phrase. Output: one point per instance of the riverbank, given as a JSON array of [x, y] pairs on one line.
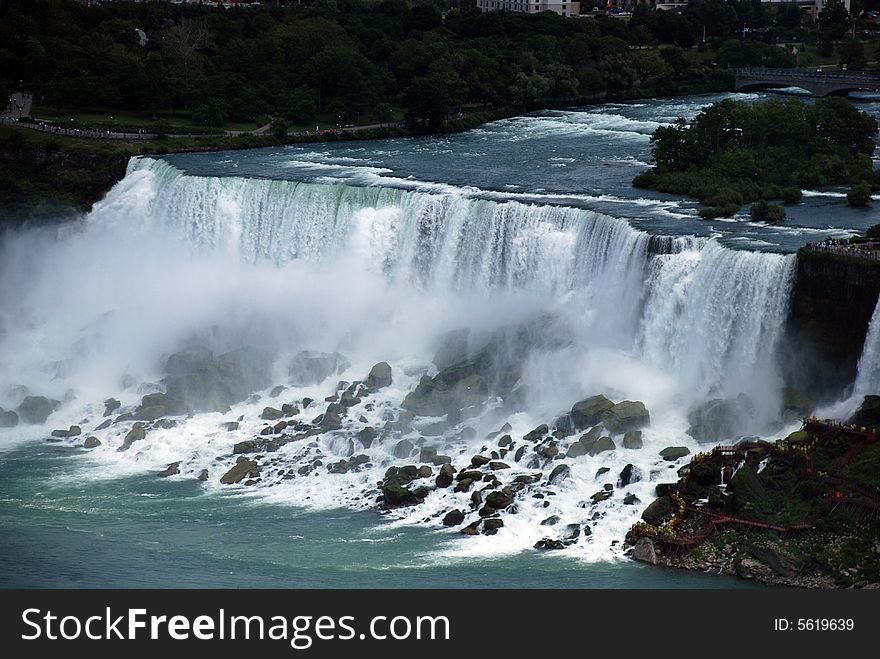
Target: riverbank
[[802, 511], [40, 172]]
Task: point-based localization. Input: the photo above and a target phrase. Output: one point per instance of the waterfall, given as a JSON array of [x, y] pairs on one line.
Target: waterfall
[[868, 376], [378, 273]]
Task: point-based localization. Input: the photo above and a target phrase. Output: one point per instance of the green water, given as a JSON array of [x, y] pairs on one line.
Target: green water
[[60, 530]]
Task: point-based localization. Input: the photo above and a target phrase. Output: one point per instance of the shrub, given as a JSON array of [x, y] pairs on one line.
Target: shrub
[[761, 211], [791, 195]]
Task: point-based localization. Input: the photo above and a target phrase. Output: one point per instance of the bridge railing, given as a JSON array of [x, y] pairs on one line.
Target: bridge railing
[[758, 72]]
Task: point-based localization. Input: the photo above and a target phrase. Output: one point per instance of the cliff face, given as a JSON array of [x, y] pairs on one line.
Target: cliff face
[[832, 304], [36, 168]]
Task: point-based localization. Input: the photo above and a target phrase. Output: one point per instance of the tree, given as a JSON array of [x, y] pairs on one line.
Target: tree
[[859, 195], [383, 113], [426, 101], [834, 19]]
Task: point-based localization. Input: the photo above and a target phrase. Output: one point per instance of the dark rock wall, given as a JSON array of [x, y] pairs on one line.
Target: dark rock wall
[[832, 304]]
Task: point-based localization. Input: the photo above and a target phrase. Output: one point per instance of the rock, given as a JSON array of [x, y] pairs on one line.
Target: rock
[[427, 453], [497, 466], [340, 467], [379, 377], [600, 496], [91, 442], [780, 563], [601, 471], [276, 391], [366, 436], [559, 475], [720, 420], [628, 475], [243, 468], [491, 525], [110, 406], [588, 412], [199, 381], [548, 451], [658, 510], [520, 452], [749, 568], [248, 446], [171, 470], [499, 500], [59, 433], [550, 521], [631, 499], [230, 426], [271, 414], [472, 528], [310, 368], [626, 415], [8, 418], [104, 424], [537, 434], [472, 474], [868, 413], [601, 445], [289, 410], [403, 449], [505, 440], [795, 404], [446, 475], [279, 427], [479, 461], [549, 544], [632, 439], [644, 551], [203, 475], [571, 532], [441, 459], [576, 450], [36, 409], [136, 434], [453, 518], [463, 485], [673, 453]]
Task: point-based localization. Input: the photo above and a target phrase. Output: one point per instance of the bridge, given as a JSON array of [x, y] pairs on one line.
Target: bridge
[[817, 82]]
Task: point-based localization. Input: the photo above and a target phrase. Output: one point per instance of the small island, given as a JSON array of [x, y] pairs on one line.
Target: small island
[[734, 153]]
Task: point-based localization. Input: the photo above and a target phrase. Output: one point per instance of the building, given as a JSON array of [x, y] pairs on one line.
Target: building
[[560, 7]]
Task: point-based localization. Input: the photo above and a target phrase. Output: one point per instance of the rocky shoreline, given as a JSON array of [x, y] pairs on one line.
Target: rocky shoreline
[[803, 511]]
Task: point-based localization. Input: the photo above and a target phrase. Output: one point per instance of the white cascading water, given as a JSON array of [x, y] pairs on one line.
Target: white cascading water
[[169, 260], [868, 376]]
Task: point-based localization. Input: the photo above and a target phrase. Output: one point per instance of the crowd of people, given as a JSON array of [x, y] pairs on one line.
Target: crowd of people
[[93, 133], [865, 250]]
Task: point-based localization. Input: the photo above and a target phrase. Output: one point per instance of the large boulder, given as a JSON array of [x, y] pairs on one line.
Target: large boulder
[[625, 416], [601, 445], [868, 413], [243, 468], [588, 412], [380, 376], [560, 474], [8, 418], [673, 453], [36, 409], [719, 420], [644, 551], [633, 440], [310, 368], [659, 510], [199, 381], [136, 434]]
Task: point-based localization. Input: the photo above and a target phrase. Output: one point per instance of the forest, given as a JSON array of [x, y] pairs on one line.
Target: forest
[[338, 62]]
